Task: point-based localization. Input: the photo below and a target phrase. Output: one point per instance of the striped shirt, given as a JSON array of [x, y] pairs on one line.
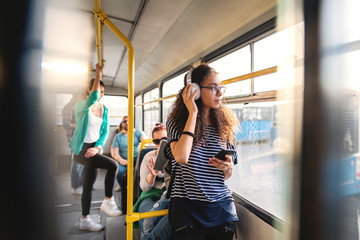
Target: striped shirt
[[199, 180], [199, 195]]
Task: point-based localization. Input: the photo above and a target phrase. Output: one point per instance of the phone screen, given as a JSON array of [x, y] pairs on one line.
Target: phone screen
[[221, 154]]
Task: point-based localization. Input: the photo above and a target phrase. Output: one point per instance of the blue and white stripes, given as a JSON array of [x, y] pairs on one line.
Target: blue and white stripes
[[198, 180]]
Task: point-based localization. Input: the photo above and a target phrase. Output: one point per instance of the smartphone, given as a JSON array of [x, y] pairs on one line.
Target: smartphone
[[160, 159], [221, 154]]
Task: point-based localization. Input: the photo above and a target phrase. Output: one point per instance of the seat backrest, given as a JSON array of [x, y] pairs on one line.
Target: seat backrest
[[142, 153]]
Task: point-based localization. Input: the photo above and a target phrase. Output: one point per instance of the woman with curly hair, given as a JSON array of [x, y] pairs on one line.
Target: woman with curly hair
[[201, 205]]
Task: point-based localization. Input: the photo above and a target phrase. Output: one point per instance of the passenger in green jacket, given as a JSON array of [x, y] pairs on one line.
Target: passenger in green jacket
[[90, 134]]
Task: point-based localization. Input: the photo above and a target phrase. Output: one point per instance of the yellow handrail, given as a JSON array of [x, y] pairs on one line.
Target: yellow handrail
[[99, 30], [227, 81], [157, 100], [145, 141], [99, 14], [251, 75], [100, 19]]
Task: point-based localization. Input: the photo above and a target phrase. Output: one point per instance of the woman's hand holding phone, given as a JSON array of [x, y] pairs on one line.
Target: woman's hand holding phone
[[223, 161]]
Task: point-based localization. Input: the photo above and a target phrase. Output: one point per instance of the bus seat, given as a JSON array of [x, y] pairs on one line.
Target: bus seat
[[142, 153]]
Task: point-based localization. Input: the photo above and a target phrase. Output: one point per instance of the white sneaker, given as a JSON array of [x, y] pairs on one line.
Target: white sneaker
[[110, 208], [90, 224], [76, 191]]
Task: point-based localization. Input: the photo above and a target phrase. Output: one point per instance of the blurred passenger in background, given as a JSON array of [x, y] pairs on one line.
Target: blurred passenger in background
[[77, 169]]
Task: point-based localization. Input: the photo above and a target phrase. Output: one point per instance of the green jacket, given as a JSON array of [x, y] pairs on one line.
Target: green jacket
[[82, 123], [154, 194]]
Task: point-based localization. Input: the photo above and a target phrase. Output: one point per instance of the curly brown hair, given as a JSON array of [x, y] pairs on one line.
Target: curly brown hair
[[222, 118]]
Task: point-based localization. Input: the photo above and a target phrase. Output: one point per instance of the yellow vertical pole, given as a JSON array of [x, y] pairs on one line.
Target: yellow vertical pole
[[101, 16], [130, 157], [98, 30]]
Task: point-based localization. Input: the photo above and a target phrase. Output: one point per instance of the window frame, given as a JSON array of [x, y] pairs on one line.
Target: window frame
[[141, 110], [151, 110]]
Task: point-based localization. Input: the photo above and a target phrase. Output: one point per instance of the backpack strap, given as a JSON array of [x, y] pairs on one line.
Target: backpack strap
[[169, 169], [172, 179]]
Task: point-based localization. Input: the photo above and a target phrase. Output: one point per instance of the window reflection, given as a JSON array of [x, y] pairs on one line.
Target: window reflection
[[260, 175]]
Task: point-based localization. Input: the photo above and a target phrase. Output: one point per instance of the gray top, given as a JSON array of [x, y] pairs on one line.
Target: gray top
[[144, 171]]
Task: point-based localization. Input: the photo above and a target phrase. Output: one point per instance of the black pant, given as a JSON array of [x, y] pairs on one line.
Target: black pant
[[91, 165], [123, 185], [223, 232]]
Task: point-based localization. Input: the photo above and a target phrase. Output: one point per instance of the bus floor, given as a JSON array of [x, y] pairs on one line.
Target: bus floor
[[67, 209]]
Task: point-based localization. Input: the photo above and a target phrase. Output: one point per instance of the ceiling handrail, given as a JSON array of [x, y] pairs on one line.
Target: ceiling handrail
[[244, 77]]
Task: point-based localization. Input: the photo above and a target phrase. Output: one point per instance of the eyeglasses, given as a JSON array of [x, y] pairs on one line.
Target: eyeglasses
[[157, 140], [124, 121], [215, 89]]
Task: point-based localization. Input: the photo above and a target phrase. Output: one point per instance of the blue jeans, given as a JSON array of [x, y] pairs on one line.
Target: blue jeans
[[77, 174], [155, 227], [121, 171]]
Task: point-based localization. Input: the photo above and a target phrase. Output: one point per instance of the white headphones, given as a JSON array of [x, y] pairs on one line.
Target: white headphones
[[194, 86]]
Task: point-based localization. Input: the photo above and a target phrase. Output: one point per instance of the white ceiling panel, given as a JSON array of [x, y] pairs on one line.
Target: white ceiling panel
[[113, 48], [125, 9], [166, 34], [202, 24], [155, 22]]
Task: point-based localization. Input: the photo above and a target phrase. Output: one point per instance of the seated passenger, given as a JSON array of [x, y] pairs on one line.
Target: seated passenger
[[153, 197], [119, 148], [119, 128]]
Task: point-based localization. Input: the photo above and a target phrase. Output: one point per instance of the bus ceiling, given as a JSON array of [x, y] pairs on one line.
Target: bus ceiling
[[192, 29]]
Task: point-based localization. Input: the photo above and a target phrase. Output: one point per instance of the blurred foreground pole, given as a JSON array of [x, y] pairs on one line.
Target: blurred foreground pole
[[25, 199]]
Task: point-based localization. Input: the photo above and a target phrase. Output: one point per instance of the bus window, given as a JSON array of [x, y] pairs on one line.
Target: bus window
[[138, 112], [118, 108], [233, 65], [260, 175], [151, 111], [171, 87], [272, 51]]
